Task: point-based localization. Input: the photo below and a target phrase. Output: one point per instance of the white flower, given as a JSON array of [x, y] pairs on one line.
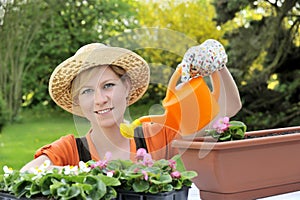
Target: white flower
[[41, 170], [45, 165], [35, 170], [70, 170], [7, 171], [110, 174], [84, 167]]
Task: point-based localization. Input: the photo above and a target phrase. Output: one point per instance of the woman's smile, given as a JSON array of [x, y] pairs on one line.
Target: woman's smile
[[104, 111]]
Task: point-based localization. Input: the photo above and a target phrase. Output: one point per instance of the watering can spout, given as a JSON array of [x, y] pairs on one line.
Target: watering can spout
[[188, 107], [127, 130]]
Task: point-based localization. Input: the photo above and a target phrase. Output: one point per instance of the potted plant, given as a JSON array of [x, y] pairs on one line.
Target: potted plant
[[225, 130], [260, 164], [104, 179]]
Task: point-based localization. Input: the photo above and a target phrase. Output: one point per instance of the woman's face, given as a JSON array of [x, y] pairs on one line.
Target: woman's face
[[103, 97]]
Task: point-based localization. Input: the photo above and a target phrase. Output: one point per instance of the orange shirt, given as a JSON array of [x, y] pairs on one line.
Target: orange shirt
[[64, 150]]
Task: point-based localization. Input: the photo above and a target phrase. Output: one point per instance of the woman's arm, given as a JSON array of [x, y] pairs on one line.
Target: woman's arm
[[229, 97], [61, 152], [35, 163]]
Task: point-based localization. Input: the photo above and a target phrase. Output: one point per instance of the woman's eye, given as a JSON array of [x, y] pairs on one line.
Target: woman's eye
[[108, 85], [86, 91]]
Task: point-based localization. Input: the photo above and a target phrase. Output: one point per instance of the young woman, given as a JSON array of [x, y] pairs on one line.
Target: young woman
[[98, 83]]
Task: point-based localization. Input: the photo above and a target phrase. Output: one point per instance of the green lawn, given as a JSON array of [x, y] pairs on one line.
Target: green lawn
[[19, 141]]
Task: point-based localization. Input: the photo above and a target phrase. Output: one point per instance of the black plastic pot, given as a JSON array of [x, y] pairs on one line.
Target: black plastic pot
[[173, 195], [6, 196], [125, 195]]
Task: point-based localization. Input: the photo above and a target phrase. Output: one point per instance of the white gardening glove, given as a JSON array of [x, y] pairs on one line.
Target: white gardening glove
[[203, 60]]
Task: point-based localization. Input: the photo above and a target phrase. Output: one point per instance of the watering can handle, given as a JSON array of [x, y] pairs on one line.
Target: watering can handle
[[216, 85], [175, 77], [215, 82], [172, 84]]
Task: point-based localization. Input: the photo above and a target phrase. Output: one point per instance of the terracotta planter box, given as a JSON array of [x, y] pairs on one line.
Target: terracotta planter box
[[245, 169]]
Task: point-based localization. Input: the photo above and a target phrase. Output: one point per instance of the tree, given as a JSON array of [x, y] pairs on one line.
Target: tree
[[264, 50], [71, 25], [17, 32], [175, 27], [38, 35], [194, 18]]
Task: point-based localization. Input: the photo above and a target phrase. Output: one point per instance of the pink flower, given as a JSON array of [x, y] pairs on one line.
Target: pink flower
[[147, 161], [221, 124], [172, 164], [145, 175], [136, 170], [226, 120], [102, 163], [175, 174], [140, 153]]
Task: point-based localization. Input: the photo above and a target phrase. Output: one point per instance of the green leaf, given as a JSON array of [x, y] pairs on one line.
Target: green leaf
[[2, 183], [90, 179], [167, 188], [161, 164], [21, 188], [239, 134], [188, 175], [131, 175], [111, 193], [119, 164], [153, 170], [133, 167], [225, 137], [236, 125], [187, 182], [8, 181], [85, 187], [62, 190], [73, 191], [35, 189], [73, 178], [154, 189], [140, 186], [163, 179], [45, 183], [177, 184], [58, 189], [109, 181], [215, 135], [99, 188], [179, 163]]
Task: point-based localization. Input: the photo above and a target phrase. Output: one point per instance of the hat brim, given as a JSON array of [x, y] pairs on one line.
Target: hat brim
[[60, 83]]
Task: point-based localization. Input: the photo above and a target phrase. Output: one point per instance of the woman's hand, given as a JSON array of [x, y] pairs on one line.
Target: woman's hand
[[203, 60], [39, 161]]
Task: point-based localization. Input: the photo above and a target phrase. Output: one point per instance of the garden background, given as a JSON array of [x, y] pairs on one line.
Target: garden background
[[261, 37]]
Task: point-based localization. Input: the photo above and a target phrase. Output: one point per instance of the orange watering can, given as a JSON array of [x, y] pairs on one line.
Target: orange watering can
[[188, 107]]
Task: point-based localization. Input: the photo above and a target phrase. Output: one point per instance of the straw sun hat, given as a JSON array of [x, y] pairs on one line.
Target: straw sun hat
[[92, 55]]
